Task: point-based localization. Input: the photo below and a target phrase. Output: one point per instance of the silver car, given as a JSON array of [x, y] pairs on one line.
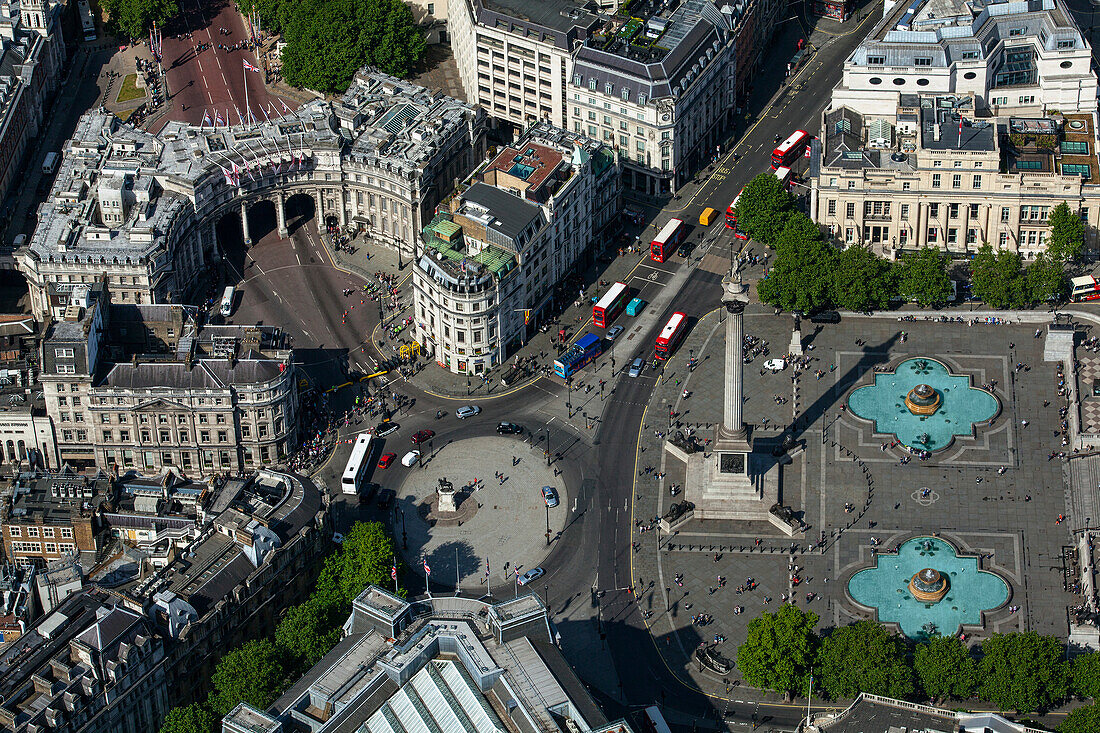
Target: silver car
[[467, 411], [636, 367], [531, 576]]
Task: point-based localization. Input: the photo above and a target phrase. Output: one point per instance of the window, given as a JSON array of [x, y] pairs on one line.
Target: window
[[1075, 147], [108, 436], [906, 185], [957, 181], [1004, 213], [15, 531], [952, 211], [832, 207], [905, 211], [973, 211], [47, 532], [933, 235], [970, 54], [222, 436], [51, 548], [431, 8], [958, 164], [63, 353], [971, 236], [937, 163], [1027, 99], [1076, 169], [66, 369], [850, 210], [1065, 43], [933, 210], [1029, 165], [32, 531], [935, 180], [1002, 240], [952, 235], [977, 180], [1015, 32], [876, 60], [922, 61]]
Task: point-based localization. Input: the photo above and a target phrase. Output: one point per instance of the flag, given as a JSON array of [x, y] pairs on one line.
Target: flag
[[250, 67], [205, 117], [427, 570], [218, 122], [236, 174], [526, 317], [228, 176], [486, 567], [393, 570]]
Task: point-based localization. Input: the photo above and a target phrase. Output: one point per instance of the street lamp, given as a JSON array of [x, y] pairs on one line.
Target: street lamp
[[569, 396], [467, 384], [547, 428], [547, 523]]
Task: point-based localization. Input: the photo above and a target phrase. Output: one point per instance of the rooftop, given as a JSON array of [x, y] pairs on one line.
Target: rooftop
[[882, 714], [559, 15]]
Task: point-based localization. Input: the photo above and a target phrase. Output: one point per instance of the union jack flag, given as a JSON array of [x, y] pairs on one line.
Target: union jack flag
[[427, 570], [250, 67]]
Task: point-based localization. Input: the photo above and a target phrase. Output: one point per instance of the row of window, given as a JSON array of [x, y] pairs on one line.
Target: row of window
[[152, 460], [881, 209], [36, 548], [14, 530]]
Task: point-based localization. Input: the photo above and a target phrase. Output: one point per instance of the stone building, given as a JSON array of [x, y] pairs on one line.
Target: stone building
[[493, 260], [143, 208], [144, 387], [52, 516]]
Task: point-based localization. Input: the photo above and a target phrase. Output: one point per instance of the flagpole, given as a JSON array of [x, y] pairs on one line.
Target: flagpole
[[457, 591], [244, 76], [396, 590], [427, 578]]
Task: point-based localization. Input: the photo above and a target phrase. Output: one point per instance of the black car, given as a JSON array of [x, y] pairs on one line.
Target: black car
[[385, 428], [368, 492], [385, 498], [509, 428]]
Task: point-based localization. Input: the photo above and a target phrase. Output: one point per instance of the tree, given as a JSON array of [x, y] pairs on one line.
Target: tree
[[307, 633], [945, 668], [864, 657], [997, 278], [923, 277], [364, 558], [1085, 674], [779, 650], [1082, 720], [193, 718], [134, 18], [329, 40], [252, 673], [1046, 280], [861, 281], [800, 277], [763, 207], [1067, 234], [1023, 671]]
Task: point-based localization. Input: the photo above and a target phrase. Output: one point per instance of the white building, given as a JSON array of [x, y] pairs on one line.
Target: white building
[[1013, 58], [493, 260]]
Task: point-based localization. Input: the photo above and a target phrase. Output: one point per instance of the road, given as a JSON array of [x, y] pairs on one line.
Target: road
[[213, 81]]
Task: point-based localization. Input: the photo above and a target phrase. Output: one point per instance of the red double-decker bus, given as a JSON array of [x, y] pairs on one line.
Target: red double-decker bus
[[610, 305], [667, 240], [790, 148], [731, 217], [670, 336]]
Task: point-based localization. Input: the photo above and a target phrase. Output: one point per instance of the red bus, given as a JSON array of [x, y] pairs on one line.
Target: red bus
[[667, 240], [790, 148], [1084, 288], [610, 305], [731, 217], [670, 336]]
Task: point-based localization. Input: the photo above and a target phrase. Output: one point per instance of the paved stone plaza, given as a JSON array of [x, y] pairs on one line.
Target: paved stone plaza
[[505, 521], [997, 494]]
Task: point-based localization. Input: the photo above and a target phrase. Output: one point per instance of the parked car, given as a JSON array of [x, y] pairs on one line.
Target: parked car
[[636, 367], [775, 365], [509, 428], [385, 499], [410, 458], [613, 332], [550, 496], [467, 411], [531, 576], [422, 435], [384, 428], [386, 460]]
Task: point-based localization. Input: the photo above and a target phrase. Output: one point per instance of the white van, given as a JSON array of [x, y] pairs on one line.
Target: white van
[[227, 300], [49, 164]]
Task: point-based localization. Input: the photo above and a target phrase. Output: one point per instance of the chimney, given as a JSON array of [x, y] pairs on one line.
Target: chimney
[[936, 132]]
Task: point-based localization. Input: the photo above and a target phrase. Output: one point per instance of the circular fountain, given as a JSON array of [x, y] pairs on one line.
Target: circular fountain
[[923, 400], [928, 585]]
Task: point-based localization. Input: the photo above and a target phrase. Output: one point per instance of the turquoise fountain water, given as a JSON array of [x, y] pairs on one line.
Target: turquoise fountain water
[[885, 587], [961, 407]]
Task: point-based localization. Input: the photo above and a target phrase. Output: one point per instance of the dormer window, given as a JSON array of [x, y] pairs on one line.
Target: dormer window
[[876, 60], [642, 99], [608, 88], [625, 94], [592, 84], [577, 80]]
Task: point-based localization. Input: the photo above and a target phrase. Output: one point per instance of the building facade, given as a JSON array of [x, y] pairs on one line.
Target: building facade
[[143, 208], [46, 518], [493, 260], [143, 387], [658, 82]]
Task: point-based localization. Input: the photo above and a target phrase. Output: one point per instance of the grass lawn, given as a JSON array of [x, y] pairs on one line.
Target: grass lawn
[[129, 90]]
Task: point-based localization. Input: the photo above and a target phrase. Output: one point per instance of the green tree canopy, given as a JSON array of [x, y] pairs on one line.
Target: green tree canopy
[[779, 650], [252, 673], [800, 277], [763, 207], [1085, 675], [861, 280], [1023, 671], [923, 277], [945, 668], [997, 278], [364, 558], [329, 40], [864, 657], [1082, 720], [193, 718], [1067, 234], [307, 632], [134, 18], [1046, 280]]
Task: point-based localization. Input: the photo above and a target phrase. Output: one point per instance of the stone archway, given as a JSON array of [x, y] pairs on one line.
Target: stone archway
[[262, 219], [298, 208]]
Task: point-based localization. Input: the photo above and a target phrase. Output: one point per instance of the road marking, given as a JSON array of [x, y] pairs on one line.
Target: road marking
[[297, 257]]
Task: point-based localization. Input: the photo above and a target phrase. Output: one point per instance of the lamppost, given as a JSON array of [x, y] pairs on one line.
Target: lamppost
[[547, 428], [612, 358], [547, 523], [569, 396], [467, 384]]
